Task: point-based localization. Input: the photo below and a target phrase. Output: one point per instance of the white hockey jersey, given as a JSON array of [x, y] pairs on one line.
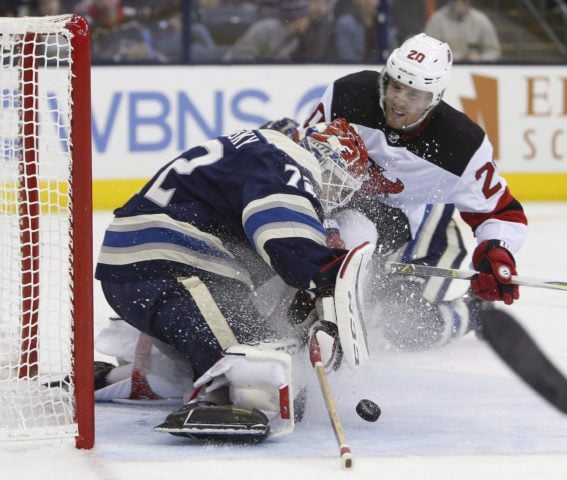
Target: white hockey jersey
[[447, 160]]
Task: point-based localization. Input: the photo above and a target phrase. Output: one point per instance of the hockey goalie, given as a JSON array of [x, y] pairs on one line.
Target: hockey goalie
[[182, 260]]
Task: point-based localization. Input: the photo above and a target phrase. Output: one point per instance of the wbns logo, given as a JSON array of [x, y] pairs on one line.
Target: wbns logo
[[159, 120]]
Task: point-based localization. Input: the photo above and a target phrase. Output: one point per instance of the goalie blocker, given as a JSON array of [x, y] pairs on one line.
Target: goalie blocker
[[340, 330]]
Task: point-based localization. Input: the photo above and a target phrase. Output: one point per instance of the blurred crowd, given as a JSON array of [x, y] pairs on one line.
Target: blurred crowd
[[265, 31]]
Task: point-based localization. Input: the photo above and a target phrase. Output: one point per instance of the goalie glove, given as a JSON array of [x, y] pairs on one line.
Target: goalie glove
[[496, 266], [341, 297], [324, 335]]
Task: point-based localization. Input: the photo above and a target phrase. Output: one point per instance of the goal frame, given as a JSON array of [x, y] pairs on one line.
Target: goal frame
[[80, 221], [82, 247]]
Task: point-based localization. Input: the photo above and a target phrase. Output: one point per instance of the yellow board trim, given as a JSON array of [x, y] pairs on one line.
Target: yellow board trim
[[538, 187], [111, 194], [532, 187]]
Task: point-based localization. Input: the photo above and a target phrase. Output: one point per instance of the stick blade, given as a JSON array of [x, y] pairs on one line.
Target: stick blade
[[519, 351]]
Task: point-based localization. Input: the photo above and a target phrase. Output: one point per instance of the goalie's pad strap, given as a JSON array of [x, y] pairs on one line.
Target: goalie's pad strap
[[210, 311]]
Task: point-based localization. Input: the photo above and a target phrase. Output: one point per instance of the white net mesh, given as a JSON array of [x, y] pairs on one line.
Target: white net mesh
[[36, 284]]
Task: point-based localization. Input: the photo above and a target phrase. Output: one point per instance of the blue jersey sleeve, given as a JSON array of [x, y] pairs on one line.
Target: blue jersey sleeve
[[282, 219]]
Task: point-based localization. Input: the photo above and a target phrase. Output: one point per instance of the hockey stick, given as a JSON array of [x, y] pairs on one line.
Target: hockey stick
[[427, 271], [507, 337], [519, 351], [315, 357]]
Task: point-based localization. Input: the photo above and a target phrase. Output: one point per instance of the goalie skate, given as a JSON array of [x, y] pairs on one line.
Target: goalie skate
[[222, 423]]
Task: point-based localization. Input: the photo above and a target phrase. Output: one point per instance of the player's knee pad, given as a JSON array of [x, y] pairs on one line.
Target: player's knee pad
[[417, 324], [168, 375]]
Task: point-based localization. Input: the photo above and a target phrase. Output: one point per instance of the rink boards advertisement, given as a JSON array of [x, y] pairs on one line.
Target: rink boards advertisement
[[142, 117]]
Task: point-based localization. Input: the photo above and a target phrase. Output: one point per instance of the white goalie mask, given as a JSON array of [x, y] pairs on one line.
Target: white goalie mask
[[422, 63], [343, 158]]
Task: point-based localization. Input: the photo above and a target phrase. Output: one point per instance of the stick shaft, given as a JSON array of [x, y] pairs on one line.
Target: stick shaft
[[428, 271], [344, 450]]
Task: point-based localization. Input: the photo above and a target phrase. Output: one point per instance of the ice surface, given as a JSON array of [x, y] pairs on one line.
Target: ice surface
[[453, 413]]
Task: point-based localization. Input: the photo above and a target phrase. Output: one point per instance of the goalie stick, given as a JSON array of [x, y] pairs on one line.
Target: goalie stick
[[428, 271], [315, 357], [507, 338]]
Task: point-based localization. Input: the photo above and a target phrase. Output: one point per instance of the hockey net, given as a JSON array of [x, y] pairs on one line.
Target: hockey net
[[45, 223]]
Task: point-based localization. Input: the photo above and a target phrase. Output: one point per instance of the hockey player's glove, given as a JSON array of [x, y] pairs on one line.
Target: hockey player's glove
[[326, 334], [333, 234], [284, 125], [301, 307], [496, 266]]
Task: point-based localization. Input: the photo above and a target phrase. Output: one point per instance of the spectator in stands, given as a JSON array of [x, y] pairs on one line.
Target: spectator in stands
[[408, 25], [50, 47], [116, 36], [226, 20], [317, 44], [357, 33], [39, 8], [168, 40], [274, 38], [468, 31], [11, 8]]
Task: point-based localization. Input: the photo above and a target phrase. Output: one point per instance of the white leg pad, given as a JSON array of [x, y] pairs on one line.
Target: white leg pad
[[258, 378]]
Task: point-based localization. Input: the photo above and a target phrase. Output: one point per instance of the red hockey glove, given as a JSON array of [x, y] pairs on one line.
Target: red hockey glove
[[333, 234], [496, 266]]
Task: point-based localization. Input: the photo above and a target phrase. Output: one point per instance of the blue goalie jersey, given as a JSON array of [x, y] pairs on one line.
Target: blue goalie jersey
[[233, 206]]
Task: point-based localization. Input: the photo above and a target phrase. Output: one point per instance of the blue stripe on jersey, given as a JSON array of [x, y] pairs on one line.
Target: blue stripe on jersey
[[407, 256], [158, 235], [279, 215]]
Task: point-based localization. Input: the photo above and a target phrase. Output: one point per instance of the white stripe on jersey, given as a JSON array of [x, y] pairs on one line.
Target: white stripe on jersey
[[284, 230], [149, 251], [161, 220], [280, 200], [304, 158], [227, 267]]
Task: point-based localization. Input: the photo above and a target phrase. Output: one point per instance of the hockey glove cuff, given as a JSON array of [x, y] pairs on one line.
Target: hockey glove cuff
[[496, 266]]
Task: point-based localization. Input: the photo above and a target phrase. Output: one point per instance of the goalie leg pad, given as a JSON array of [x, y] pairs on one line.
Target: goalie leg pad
[[223, 423], [257, 378]]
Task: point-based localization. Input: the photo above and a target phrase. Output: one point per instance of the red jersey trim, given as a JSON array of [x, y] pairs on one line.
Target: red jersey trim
[[508, 209]]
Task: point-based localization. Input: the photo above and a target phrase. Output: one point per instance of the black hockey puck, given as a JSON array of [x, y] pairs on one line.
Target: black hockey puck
[[368, 410]]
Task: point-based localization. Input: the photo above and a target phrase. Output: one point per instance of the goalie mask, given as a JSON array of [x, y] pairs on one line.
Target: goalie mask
[[414, 79], [343, 159]]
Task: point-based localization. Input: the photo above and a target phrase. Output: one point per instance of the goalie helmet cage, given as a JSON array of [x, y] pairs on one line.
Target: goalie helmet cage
[[46, 315]]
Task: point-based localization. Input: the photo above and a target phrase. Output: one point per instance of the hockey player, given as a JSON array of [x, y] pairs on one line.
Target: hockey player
[[426, 159], [180, 258]]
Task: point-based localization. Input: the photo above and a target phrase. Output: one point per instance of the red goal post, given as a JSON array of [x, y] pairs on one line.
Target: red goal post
[[46, 309]]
